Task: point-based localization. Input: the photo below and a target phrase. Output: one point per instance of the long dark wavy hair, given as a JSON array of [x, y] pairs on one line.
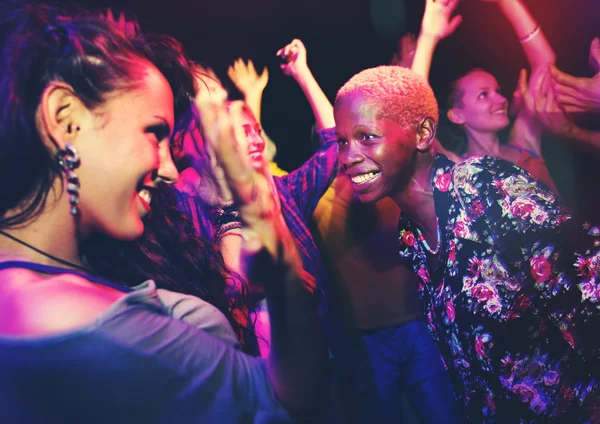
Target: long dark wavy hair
[[171, 251], [40, 44], [177, 258]]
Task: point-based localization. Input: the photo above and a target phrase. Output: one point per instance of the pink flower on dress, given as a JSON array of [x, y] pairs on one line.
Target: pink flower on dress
[[450, 311], [540, 269], [442, 182], [476, 209], [408, 238], [499, 186], [588, 289], [483, 292], [524, 391], [584, 267], [551, 378], [475, 266], [521, 208]]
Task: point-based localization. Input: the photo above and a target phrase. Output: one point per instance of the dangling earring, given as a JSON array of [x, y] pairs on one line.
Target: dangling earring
[[68, 160]]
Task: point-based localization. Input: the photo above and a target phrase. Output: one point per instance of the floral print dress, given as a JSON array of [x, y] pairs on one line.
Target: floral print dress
[[514, 309]]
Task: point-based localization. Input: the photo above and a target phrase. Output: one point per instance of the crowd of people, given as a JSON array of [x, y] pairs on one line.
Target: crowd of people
[[157, 265]]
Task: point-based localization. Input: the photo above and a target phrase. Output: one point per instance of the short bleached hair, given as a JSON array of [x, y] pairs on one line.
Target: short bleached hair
[[406, 96]]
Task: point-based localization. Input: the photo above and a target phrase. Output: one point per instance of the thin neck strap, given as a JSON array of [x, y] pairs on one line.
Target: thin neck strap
[[48, 269]]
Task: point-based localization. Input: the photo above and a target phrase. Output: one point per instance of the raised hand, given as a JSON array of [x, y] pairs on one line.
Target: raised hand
[[205, 178], [539, 99], [246, 79], [438, 21], [294, 55], [265, 229], [578, 94]]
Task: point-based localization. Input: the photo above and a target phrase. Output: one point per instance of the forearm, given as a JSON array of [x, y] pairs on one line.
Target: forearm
[[254, 102], [297, 362], [534, 42], [586, 139], [426, 45], [319, 103]]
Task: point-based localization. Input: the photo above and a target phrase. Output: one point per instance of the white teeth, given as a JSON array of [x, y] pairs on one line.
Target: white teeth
[[145, 194], [363, 178]]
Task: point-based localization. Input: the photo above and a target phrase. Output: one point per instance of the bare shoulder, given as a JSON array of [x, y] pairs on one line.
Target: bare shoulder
[[35, 305]]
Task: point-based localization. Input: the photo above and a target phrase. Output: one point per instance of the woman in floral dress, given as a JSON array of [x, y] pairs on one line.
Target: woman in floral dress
[[510, 302]]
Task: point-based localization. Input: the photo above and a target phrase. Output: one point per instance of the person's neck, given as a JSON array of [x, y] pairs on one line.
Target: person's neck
[[416, 199], [53, 232], [483, 144]]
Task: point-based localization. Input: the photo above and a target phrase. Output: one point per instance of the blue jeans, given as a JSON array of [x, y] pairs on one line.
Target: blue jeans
[[396, 360]]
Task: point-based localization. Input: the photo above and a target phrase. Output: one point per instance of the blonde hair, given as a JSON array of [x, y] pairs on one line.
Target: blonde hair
[[406, 95]]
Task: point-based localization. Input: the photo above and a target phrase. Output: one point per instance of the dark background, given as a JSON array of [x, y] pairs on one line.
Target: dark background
[[344, 36]]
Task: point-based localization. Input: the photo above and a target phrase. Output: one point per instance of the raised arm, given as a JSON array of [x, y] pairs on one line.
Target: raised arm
[[296, 66], [534, 42], [438, 23], [297, 362]]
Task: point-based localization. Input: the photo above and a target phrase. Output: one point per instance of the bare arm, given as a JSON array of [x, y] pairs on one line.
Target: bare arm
[[438, 23], [296, 66], [534, 42], [297, 362]]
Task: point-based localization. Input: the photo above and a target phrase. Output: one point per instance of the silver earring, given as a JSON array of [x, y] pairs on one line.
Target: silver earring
[[68, 160]]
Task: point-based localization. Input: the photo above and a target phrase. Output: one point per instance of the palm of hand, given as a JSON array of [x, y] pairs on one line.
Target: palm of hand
[[245, 77], [438, 20]]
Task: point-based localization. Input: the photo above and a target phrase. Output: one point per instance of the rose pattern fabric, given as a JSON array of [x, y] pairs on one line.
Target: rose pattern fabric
[[514, 302]]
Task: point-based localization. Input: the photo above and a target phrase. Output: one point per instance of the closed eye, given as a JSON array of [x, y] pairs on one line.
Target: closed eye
[[160, 131]]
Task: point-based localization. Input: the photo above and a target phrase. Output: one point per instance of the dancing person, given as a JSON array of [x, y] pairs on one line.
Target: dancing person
[[87, 123], [509, 298]]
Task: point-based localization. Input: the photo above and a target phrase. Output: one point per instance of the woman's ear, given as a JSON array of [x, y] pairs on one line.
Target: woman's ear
[[426, 134], [59, 114], [455, 116]]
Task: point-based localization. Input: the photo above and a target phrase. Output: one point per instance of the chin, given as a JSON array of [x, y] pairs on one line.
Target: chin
[[502, 124], [129, 232], [369, 197]]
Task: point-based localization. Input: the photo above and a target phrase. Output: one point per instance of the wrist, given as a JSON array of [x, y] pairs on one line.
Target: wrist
[[302, 75], [428, 37], [253, 95], [225, 214]]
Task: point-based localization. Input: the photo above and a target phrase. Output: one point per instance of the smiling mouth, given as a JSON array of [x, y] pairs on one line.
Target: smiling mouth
[[145, 198], [364, 178]]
